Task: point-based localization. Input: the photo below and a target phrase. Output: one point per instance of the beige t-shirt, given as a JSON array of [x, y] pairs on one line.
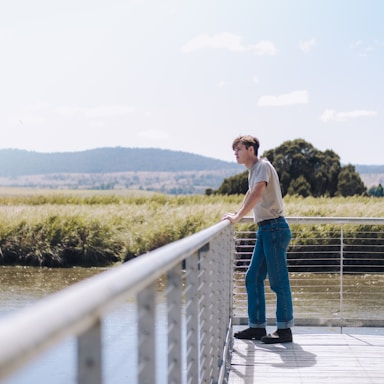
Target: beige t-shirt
[[270, 206]]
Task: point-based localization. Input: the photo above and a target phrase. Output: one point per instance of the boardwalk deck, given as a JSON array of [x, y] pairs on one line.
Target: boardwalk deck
[[317, 355]]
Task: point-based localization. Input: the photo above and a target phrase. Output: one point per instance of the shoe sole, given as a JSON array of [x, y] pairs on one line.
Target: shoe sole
[[268, 340]]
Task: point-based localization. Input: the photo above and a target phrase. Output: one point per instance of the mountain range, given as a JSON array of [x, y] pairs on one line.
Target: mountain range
[[16, 162], [136, 168], [150, 169]]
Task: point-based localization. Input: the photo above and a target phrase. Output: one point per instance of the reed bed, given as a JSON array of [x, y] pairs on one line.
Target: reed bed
[[57, 229]]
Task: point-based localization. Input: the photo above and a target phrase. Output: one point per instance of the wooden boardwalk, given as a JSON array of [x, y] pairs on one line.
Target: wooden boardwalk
[[317, 355]]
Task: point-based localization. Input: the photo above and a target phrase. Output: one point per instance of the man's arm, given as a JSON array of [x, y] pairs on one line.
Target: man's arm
[[249, 201]]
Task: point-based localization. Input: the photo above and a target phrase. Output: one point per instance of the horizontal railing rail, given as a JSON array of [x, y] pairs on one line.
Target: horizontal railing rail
[[336, 269], [198, 272]]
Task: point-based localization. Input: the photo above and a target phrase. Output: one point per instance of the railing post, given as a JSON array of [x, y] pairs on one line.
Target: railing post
[[215, 329], [146, 303], [225, 298], [192, 319], [89, 365], [174, 309], [206, 326], [227, 260], [341, 275]]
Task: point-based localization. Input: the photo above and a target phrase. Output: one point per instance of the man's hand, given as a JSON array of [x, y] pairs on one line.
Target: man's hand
[[249, 201], [232, 217]]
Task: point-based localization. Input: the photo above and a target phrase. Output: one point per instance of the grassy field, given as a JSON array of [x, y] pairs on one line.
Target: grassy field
[[99, 228]]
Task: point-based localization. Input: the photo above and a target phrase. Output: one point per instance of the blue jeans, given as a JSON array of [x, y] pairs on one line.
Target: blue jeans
[[270, 257]]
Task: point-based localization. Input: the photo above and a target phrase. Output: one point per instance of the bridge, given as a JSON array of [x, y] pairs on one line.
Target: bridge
[[339, 332]]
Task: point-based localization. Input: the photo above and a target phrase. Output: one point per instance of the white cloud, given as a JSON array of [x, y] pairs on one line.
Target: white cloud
[[256, 79], [306, 46], [292, 98], [356, 44], [363, 49], [332, 115], [229, 41]]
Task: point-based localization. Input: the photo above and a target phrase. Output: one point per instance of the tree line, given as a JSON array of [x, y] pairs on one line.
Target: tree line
[[305, 171]]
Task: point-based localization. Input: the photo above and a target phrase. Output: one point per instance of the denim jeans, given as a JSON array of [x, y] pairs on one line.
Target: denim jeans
[[270, 257]]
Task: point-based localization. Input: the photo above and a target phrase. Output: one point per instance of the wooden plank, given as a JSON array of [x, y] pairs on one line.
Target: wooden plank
[[317, 355]]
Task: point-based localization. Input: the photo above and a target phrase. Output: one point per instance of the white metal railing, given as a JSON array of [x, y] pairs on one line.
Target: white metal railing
[[202, 300], [336, 271], [199, 289]]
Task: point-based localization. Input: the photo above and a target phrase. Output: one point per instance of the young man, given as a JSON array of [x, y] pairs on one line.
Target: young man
[[269, 256]]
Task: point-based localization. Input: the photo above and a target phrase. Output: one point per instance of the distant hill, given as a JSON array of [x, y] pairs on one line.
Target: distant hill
[[371, 169], [372, 175], [149, 169], [15, 162]]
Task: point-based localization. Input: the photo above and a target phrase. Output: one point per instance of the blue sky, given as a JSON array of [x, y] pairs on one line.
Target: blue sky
[[191, 75]]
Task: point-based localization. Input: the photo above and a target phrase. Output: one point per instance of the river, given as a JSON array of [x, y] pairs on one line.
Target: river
[[363, 296], [22, 286]]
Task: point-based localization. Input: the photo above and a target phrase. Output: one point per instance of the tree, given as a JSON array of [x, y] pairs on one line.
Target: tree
[[349, 182], [376, 191], [304, 170], [234, 185], [299, 159], [299, 186]]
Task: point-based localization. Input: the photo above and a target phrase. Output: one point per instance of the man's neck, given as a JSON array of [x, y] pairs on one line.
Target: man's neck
[[252, 163]]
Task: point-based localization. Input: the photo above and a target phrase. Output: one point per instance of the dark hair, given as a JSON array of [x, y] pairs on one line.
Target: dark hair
[[247, 141]]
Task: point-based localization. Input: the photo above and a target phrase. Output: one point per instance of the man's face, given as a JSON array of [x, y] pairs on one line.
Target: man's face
[[242, 154]]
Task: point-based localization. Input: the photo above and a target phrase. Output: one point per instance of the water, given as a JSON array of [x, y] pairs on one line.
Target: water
[[20, 287], [325, 296]]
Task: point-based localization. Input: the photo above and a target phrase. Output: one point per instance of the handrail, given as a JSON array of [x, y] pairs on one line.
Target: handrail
[[326, 220], [78, 309]]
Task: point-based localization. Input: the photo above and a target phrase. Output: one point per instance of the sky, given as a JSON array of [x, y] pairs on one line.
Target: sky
[[191, 75]]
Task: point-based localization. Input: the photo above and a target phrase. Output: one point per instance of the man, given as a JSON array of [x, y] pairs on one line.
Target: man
[[269, 255]]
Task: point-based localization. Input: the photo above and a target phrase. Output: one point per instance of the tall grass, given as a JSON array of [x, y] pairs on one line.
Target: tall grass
[[61, 231], [71, 229]]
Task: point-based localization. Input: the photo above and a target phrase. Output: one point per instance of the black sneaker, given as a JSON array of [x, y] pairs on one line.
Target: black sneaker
[[279, 336], [251, 334]]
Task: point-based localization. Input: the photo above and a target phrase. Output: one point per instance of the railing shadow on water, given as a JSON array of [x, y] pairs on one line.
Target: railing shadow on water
[[336, 269]]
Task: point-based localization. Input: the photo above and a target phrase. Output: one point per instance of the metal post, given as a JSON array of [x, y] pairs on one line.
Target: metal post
[[89, 365], [341, 276], [215, 300], [174, 309], [146, 302], [225, 280], [192, 319], [205, 313]]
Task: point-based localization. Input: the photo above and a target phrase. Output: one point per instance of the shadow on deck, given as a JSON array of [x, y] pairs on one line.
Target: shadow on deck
[[317, 355]]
